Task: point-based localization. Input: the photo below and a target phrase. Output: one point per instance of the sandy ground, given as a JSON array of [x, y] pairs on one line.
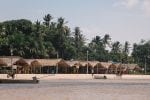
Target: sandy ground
[[73, 76], [78, 89]]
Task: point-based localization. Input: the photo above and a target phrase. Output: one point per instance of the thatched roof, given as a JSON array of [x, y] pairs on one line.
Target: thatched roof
[[52, 62], [72, 63], [9, 60], [35, 63], [23, 62], [133, 67], [62, 63], [83, 63], [2, 63], [79, 63], [76, 63], [48, 62], [106, 64], [41, 62], [90, 63], [114, 65], [117, 64], [93, 63]]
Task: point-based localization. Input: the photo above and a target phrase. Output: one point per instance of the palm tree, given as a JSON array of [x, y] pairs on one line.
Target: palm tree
[[126, 47], [62, 33], [116, 47], [78, 40], [106, 40], [47, 20]]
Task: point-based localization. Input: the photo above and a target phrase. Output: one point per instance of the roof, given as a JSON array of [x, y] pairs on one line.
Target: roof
[[9, 60], [48, 62], [35, 63], [93, 63], [106, 64], [72, 63], [133, 66], [23, 62], [2, 63], [83, 63]]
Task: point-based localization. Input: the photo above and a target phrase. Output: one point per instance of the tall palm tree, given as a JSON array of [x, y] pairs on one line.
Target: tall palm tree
[[106, 40], [78, 40], [47, 20], [126, 47], [116, 47], [62, 32]]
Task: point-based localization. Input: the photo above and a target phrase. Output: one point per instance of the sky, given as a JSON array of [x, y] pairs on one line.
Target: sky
[[123, 20]]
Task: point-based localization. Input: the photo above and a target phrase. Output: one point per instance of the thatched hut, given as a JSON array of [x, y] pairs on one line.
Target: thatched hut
[[119, 68], [23, 65], [106, 64], [122, 69], [133, 68], [2, 63], [21, 62], [92, 65], [36, 67], [9, 60], [112, 69], [73, 66], [99, 68], [84, 66], [52, 65], [6, 63], [81, 66]]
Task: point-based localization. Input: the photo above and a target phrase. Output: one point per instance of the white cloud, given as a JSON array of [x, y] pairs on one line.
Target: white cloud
[[130, 3], [141, 5], [127, 3]]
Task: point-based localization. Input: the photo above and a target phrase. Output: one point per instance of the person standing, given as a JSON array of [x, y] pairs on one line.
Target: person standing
[[92, 72]]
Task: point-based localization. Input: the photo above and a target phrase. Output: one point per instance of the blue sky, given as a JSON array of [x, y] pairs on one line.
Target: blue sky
[[122, 19]]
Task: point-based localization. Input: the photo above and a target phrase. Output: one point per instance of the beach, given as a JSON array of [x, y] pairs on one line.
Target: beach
[[76, 76], [78, 89]]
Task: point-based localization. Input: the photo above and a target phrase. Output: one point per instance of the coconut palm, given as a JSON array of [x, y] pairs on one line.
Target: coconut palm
[[47, 20], [106, 40], [78, 41]]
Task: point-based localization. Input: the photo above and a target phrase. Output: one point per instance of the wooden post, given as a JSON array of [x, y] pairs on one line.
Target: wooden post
[[97, 68]]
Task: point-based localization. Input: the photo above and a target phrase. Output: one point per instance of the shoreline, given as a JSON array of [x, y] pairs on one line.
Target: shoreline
[[74, 76]]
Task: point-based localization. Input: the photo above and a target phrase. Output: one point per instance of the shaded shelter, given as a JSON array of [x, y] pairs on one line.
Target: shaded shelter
[[53, 65], [2, 63], [83, 65], [93, 64], [23, 65], [100, 68], [36, 67], [122, 69], [73, 66], [7, 63], [133, 68], [112, 69]]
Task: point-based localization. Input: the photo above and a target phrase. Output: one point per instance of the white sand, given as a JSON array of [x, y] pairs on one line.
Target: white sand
[[74, 76]]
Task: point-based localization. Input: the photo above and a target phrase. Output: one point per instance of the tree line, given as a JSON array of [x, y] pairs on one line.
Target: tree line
[[50, 39]]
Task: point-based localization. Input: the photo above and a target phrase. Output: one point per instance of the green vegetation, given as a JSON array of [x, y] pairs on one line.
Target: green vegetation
[[48, 38]]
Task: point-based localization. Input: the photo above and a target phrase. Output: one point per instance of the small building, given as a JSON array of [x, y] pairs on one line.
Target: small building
[[52, 65], [6, 63], [133, 68]]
